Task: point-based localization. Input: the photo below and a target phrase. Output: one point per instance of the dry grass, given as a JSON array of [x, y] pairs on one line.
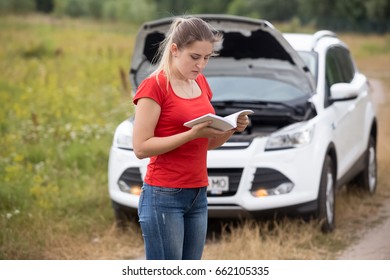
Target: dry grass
[[107, 245], [274, 240]]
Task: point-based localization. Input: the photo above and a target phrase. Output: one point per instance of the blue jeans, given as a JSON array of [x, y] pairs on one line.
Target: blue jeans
[[173, 222]]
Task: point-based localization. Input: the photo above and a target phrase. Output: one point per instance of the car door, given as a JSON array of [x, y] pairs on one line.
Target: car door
[[358, 114], [348, 115]]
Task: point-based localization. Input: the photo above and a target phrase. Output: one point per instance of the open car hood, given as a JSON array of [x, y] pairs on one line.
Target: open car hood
[[250, 47]]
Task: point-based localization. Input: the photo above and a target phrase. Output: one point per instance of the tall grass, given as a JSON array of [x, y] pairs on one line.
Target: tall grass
[[61, 97]]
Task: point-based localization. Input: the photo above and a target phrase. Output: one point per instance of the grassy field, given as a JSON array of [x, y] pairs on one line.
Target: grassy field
[[61, 97], [63, 90]]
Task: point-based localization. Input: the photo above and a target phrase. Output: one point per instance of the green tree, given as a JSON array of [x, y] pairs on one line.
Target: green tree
[[76, 8], [351, 10], [378, 9], [278, 10], [244, 8], [351, 15], [210, 6], [312, 10], [72, 8], [45, 6], [175, 7], [172, 7], [95, 8], [272, 10], [17, 6], [378, 12], [129, 10]]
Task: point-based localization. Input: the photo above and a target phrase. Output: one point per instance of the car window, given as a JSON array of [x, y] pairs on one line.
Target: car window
[[346, 65], [339, 68], [333, 72], [252, 88]]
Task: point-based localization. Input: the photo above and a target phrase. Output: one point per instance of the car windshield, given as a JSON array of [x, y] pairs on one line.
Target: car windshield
[[310, 59], [252, 88]]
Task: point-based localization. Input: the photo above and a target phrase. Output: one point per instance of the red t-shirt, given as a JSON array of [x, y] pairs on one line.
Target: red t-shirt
[[186, 166]]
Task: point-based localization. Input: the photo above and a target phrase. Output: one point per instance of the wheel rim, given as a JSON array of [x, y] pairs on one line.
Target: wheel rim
[[371, 169], [329, 196]]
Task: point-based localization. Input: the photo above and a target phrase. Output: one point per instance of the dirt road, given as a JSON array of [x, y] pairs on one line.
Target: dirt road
[[374, 243]]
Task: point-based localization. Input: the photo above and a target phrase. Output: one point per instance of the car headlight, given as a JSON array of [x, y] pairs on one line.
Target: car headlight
[[123, 138], [293, 136], [123, 141]]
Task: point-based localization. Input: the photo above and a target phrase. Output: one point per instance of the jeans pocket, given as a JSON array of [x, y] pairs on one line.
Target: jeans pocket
[[167, 191], [168, 197]]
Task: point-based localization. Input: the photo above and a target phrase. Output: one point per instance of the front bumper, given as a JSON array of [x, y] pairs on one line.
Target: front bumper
[[300, 166]]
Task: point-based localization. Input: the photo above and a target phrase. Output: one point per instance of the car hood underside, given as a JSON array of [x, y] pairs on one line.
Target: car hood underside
[[253, 45]]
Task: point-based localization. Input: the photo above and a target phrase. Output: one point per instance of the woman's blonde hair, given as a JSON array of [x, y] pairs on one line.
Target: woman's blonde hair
[[183, 32]]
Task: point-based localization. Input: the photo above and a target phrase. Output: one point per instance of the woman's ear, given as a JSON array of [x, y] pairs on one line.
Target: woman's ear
[[174, 49]]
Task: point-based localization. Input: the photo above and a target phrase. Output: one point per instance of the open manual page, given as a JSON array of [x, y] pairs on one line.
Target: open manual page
[[221, 123]]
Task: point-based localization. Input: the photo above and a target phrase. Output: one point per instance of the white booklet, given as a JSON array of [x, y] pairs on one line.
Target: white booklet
[[221, 123]]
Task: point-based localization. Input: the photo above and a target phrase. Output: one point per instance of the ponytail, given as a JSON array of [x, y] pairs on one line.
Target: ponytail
[[183, 32]]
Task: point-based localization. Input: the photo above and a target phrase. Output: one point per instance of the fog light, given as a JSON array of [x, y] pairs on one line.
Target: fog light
[[281, 189], [260, 193], [132, 189]]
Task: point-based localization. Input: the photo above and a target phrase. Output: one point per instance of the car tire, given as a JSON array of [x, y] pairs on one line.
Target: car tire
[[326, 196], [123, 216], [367, 179]]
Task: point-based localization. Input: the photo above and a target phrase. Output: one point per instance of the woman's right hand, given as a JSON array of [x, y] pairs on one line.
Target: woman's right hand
[[203, 130]]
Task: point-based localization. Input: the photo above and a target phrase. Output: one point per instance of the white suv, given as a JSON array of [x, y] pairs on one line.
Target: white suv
[[313, 129]]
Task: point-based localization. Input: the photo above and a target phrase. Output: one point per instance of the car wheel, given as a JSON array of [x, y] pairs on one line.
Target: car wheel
[[326, 196], [123, 217], [367, 179]]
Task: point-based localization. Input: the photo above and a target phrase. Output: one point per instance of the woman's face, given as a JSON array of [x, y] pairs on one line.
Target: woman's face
[[189, 62]]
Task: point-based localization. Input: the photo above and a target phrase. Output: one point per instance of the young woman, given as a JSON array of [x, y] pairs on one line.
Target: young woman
[[173, 203]]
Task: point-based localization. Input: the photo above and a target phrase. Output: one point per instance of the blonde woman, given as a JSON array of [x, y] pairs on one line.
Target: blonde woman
[[173, 203]]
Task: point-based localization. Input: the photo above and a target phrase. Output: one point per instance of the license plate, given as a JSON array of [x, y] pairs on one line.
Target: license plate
[[218, 184]]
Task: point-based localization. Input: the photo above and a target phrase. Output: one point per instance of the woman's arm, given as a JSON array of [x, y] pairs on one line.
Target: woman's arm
[[242, 123], [146, 144]]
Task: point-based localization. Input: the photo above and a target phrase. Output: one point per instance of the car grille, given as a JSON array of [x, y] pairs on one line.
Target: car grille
[[234, 175]]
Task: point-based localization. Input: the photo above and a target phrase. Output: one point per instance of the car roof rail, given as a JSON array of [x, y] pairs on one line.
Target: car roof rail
[[321, 34]]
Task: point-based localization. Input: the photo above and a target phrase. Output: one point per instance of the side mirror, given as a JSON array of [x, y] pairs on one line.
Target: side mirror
[[343, 92]]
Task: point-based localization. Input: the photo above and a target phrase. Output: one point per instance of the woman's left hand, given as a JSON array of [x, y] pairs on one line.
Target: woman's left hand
[[242, 123]]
